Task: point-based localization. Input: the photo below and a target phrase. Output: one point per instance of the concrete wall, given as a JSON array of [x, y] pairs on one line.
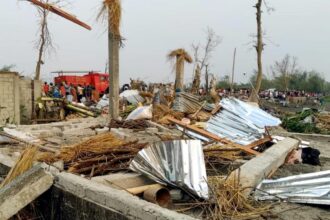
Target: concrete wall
[[16, 98], [25, 95], [9, 98]]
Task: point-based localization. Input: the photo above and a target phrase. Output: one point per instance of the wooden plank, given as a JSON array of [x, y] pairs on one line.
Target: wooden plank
[[23, 190], [141, 189], [60, 12], [213, 136], [259, 142]]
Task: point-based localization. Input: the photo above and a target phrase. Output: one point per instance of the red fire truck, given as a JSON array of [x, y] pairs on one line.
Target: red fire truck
[[100, 81]]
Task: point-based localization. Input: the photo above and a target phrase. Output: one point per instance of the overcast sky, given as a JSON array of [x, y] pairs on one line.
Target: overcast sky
[[154, 27]]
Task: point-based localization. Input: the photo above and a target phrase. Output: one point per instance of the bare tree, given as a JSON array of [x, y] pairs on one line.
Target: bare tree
[[44, 42], [197, 80], [284, 69], [259, 47], [203, 53]]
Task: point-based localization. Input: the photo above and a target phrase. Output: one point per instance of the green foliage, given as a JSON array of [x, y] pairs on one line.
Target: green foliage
[[311, 81], [286, 75], [296, 123], [265, 83], [223, 83], [7, 68]]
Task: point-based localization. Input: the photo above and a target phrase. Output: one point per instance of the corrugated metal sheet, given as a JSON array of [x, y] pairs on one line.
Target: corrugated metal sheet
[[177, 163], [311, 188], [187, 103], [240, 122]]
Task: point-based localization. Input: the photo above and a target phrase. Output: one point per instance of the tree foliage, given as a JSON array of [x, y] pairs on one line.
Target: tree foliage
[[7, 68]]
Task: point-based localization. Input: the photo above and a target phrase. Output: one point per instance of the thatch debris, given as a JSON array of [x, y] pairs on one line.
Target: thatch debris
[[24, 163], [139, 124], [160, 112], [111, 11], [231, 203], [99, 155]]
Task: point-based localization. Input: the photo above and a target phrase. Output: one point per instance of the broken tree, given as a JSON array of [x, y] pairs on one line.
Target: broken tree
[[181, 57]]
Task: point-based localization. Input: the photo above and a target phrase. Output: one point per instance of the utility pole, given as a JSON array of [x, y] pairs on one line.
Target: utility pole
[[233, 72], [113, 43]]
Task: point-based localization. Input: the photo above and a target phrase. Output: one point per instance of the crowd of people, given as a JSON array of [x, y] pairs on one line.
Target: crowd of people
[[79, 93]]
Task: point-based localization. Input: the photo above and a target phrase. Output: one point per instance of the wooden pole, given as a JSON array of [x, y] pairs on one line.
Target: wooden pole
[[61, 13]]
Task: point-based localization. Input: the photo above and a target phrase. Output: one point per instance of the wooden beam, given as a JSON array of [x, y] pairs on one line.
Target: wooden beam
[[60, 12], [213, 136], [259, 142]]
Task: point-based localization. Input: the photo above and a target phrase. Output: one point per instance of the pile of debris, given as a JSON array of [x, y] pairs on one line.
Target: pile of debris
[[218, 164], [58, 109]]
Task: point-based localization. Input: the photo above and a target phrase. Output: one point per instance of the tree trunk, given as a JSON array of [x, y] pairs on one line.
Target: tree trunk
[[114, 44], [206, 79], [197, 80], [42, 45], [179, 81], [259, 48]]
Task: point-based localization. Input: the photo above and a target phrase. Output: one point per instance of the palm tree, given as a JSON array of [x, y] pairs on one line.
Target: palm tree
[[111, 9], [181, 56]]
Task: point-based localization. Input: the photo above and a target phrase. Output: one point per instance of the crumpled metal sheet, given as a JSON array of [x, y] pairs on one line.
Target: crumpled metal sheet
[[178, 163], [311, 188], [187, 103], [132, 96], [240, 122]]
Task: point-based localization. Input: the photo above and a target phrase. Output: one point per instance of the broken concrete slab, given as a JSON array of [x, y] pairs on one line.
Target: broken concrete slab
[[254, 171], [119, 201], [23, 190]]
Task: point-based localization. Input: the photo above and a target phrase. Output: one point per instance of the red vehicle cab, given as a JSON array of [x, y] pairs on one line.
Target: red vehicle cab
[[100, 81]]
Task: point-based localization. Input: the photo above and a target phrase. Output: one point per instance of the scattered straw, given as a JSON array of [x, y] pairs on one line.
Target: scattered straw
[[97, 144], [24, 163], [161, 111], [230, 201]]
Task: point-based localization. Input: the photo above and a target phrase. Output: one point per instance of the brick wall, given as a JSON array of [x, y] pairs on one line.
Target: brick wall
[[16, 98], [9, 100]]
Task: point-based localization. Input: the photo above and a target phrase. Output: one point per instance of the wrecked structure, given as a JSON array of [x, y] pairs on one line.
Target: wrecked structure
[[155, 154]]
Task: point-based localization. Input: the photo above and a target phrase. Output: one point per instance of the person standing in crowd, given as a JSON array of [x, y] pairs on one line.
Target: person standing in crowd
[[62, 90], [74, 93], [45, 89], [80, 92], [88, 92], [68, 94], [95, 95], [56, 92], [51, 89]]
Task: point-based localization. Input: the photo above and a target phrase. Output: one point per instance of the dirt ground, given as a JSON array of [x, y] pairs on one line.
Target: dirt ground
[[287, 211]]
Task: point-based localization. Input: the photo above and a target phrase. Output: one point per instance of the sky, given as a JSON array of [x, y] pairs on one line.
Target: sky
[[154, 27]]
